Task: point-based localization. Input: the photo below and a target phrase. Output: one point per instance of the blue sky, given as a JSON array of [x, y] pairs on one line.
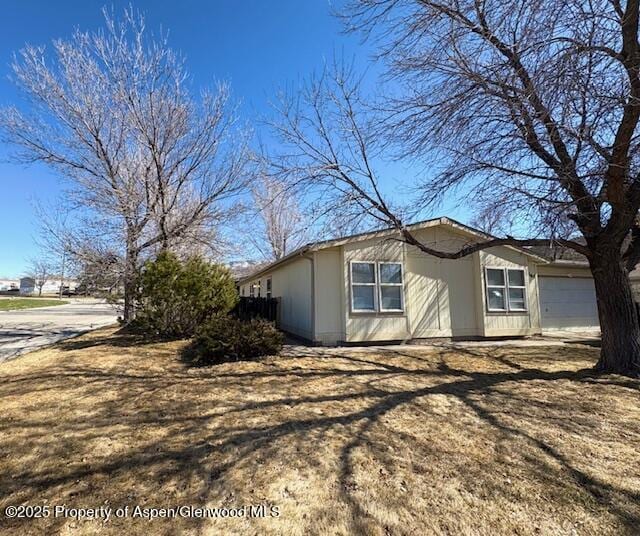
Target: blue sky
[[257, 46]]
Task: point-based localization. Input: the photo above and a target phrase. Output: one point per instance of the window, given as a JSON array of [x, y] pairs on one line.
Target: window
[[506, 289], [252, 291], [377, 287], [269, 288], [495, 289], [517, 300], [363, 286], [390, 277], [259, 287], [242, 290]]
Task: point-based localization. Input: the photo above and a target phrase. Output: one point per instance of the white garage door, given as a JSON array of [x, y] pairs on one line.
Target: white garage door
[[568, 303]]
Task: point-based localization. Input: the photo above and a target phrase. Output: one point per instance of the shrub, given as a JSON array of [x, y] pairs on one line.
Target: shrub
[[226, 338], [178, 296]]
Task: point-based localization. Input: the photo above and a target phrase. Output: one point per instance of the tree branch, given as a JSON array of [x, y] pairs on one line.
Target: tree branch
[[408, 238]]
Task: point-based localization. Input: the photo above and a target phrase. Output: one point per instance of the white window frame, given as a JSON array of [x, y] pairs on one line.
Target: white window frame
[[374, 285], [401, 285], [252, 290], [259, 288], [377, 287], [523, 287], [505, 287], [269, 288]]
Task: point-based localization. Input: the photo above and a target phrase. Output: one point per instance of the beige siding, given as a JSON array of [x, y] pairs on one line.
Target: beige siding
[[511, 323], [441, 293], [442, 298], [373, 326], [563, 271], [329, 297], [292, 283], [460, 278], [534, 297], [427, 296]]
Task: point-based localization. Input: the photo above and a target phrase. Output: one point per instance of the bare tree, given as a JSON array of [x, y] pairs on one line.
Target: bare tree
[[111, 111], [100, 271], [40, 272], [329, 145], [279, 225], [534, 105]]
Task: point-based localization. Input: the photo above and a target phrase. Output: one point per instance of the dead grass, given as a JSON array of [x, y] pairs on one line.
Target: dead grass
[[422, 441]]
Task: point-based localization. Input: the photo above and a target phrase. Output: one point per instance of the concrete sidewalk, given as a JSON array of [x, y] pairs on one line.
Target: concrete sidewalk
[[551, 338], [29, 329]]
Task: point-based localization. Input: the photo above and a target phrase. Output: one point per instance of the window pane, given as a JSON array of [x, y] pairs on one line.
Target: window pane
[[390, 273], [363, 272], [391, 298], [516, 298], [496, 298], [495, 277], [363, 298], [516, 278]]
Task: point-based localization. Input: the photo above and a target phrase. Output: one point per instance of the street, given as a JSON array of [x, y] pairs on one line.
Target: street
[[27, 330]]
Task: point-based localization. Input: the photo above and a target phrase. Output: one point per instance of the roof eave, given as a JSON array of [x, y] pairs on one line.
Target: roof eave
[[336, 242], [566, 263], [297, 253]]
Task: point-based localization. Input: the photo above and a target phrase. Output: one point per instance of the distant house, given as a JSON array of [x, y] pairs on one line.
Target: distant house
[[8, 285], [373, 287], [28, 286]]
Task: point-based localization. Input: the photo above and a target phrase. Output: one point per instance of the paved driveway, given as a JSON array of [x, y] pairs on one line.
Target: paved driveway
[[26, 330]]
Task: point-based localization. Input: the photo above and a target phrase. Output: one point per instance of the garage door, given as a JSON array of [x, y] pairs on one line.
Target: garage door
[[568, 303]]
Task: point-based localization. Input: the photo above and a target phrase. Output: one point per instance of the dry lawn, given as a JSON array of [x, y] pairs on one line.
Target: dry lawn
[[419, 441]]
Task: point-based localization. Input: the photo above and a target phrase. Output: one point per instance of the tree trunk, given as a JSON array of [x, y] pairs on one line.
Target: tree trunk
[[619, 323], [130, 282]]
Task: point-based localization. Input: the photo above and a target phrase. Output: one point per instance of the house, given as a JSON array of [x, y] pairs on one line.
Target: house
[[8, 285], [372, 287], [28, 286]]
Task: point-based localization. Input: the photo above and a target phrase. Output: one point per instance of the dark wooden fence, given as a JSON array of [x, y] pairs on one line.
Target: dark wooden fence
[[248, 308]]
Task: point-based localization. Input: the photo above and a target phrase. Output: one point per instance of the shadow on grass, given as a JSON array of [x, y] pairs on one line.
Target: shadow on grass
[[594, 343], [219, 434], [125, 337]]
